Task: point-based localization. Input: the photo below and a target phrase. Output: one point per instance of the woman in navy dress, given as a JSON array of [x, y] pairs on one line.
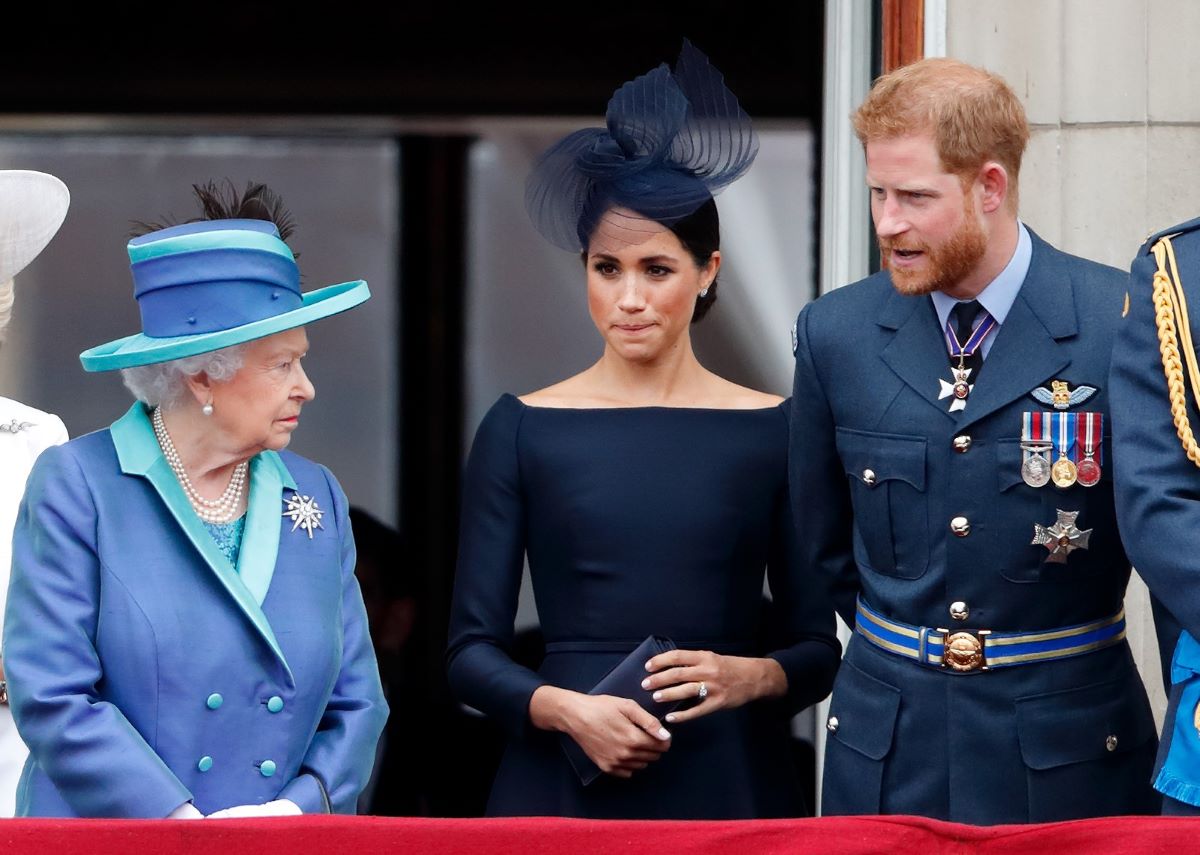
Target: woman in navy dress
[[650, 496]]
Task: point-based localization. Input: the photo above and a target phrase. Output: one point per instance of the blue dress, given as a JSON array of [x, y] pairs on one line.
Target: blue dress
[[637, 521]]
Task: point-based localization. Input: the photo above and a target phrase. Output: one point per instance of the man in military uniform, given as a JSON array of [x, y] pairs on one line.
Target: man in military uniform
[[1153, 389], [950, 475]]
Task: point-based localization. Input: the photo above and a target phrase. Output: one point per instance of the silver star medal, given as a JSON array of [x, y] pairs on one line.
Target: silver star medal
[[1062, 538], [15, 426], [304, 513], [959, 390]]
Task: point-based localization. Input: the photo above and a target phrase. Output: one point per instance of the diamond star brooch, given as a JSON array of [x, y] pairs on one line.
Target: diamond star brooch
[[304, 513]]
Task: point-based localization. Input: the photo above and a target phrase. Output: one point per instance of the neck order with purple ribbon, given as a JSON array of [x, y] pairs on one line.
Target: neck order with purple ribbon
[[959, 388]]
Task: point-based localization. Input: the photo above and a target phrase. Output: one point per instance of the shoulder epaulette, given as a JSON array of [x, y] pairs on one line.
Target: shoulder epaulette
[[1183, 228]]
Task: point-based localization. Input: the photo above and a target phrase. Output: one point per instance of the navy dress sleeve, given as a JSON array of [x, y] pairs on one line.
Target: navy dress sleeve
[[491, 560], [804, 614]]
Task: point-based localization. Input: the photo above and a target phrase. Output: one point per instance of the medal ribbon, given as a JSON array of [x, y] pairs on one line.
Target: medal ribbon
[[1035, 427], [1093, 434], [1063, 424], [961, 351]]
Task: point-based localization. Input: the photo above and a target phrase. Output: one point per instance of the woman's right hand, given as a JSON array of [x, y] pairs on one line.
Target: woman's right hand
[[618, 735]]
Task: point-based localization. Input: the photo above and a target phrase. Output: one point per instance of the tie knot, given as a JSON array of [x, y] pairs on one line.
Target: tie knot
[[964, 315]]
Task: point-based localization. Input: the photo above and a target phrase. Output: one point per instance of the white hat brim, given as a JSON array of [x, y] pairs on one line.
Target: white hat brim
[[33, 206]]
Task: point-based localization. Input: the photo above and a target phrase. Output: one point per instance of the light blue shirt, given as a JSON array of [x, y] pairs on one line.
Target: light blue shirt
[[997, 298]]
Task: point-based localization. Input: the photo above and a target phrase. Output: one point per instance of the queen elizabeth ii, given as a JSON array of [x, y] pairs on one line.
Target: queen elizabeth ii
[[184, 635]]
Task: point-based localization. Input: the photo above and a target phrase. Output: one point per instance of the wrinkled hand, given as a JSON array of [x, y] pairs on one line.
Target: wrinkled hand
[[279, 807], [730, 681], [618, 735]]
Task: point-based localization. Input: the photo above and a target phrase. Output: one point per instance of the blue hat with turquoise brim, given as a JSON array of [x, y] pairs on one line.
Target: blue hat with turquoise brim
[[213, 284]]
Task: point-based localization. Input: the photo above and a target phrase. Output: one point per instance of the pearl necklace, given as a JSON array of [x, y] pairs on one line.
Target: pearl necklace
[[223, 509]]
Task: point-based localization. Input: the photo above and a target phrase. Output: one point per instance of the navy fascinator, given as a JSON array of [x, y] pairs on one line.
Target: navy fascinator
[[673, 139]]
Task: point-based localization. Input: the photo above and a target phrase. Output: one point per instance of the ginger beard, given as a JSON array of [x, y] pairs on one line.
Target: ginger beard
[[946, 264]]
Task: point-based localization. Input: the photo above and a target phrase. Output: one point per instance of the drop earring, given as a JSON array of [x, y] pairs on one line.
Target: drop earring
[[207, 409]]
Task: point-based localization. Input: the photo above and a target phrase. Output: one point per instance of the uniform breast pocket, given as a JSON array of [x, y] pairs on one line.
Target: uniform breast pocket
[[1021, 507], [886, 473]]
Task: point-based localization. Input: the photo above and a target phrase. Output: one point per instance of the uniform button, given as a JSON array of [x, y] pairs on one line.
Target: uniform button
[[214, 701], [267, 768], [961, 526], [832, 724], [1111, 742], [959, 610], [962, 443], [205, 763], [868, 477], [275, 703]]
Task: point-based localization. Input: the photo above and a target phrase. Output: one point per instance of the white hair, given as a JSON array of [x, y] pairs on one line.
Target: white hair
[[164, 384], [6, 304]]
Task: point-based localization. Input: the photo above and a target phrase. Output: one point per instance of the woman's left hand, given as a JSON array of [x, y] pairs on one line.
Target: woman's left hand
[[729, 681], [279, 807]]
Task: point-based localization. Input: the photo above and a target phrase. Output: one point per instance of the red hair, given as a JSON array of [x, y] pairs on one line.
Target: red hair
[[972, 114]]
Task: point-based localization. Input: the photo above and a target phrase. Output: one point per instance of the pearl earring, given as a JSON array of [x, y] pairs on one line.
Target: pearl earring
[[207, 409]]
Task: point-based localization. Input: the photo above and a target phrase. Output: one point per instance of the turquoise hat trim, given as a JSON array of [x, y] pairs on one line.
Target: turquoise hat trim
[[222, 239], [139, 349]]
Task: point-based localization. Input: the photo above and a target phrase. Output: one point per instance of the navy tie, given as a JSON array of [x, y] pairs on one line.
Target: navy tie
[[964, 315]]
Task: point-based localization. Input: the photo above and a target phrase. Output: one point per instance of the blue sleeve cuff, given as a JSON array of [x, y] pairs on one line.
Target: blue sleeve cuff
[[308, 793]]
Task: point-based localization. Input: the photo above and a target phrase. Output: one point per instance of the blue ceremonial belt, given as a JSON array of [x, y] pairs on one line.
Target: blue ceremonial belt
[[982, 649]]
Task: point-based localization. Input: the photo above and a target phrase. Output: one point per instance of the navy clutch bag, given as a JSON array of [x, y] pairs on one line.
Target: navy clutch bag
[[623, 681]]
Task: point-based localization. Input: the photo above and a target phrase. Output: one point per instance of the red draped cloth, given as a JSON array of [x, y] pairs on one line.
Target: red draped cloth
[[366, 835]]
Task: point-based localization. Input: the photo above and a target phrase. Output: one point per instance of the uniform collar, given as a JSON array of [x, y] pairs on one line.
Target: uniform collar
[[140, 455], [1025, 352]]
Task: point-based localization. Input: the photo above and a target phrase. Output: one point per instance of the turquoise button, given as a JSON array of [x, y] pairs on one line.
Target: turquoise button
[[275, 704], [267, 768], [214, 701], [205, 763]]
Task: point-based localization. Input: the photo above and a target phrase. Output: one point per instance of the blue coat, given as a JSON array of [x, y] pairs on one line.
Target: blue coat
[[1158, 497], [145, 670], [1018, 744]]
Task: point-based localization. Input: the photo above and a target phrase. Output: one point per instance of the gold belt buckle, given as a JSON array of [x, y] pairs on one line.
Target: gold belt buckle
[[963, 651]]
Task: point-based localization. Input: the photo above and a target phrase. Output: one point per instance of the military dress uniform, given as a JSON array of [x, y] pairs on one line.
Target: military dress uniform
[[988, 680], [1154, 387]]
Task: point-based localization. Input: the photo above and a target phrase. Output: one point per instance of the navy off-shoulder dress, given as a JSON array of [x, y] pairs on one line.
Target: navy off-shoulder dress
[[637, 521]]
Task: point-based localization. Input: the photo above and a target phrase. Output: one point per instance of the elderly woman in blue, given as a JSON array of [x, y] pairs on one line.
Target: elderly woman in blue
[[184, 635]]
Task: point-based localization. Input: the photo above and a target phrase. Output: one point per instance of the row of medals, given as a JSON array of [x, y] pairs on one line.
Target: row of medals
[[1038, 471], [1036, 468]]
